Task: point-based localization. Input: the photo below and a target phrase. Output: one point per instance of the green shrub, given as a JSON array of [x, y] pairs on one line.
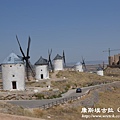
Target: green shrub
[[39, 96]]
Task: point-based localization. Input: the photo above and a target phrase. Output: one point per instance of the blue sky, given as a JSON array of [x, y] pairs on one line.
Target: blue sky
[[79, 27]]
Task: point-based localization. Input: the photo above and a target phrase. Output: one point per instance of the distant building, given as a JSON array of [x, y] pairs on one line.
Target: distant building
[[42, 69], [13, 73], [78, 67], [114, 61], [100, 72], [58, 63]]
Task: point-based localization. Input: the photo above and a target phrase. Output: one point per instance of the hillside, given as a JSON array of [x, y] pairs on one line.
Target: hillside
[[107, 96]]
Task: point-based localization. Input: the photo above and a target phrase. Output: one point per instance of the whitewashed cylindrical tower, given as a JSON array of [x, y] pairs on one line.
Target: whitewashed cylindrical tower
[[41, 69], [58, 63], [100, 72], [78, 67], [13, 73]]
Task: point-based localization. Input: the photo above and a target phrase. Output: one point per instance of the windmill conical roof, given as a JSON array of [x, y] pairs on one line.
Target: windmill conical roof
[[12, 59], [99, 69], [58, 57], [42, 61], [78, 63]]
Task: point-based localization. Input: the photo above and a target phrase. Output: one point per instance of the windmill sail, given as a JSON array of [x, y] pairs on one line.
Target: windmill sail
[[29, 67], [49, 59], [64, 58], [83, 63]]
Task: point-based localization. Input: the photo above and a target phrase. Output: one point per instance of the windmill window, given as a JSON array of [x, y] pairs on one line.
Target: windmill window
[[13, 75], [41, 69], [10, 65]]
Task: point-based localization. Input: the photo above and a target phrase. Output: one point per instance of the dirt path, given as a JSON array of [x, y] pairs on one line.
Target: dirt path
[[15, 117]]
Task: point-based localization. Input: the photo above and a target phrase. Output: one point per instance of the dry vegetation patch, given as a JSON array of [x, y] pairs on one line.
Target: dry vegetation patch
[[62, 112], [109, 99], [80, 79], [115, 72], [105, 97]]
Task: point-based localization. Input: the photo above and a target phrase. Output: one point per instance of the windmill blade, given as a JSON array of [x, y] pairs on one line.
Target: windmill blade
[[72, 66], [29, 40], [20, 48], [102, 66], [50, 52], [20, 57], [26, 58], [64, 58], [27, 71], [83, 60], [28, 65], [83, 63], [84, 66], [48, 55], [50, 62]]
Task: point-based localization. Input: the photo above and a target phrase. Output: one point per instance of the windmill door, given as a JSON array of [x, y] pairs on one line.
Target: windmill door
[[41, 76], [14, 85]]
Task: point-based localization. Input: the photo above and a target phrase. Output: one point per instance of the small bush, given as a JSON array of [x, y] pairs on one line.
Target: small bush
[[68, 85], [54, 96], [38, 112], [66, 89], [39, 96]]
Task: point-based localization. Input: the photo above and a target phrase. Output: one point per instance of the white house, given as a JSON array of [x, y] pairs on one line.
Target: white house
[[13, 73]]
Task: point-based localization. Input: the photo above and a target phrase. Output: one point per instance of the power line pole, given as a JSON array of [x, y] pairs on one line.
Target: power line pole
[[109, 51]]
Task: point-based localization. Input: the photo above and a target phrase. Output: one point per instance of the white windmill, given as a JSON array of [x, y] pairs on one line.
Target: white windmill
[[100, 70], [78, 67], [41, 69], [59, 62], [13, 73]]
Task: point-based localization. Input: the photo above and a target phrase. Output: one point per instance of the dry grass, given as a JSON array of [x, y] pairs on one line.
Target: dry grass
[[38, 113], [60, 113], [79, 79], [36, 84], [112, 98], [14, 109]]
